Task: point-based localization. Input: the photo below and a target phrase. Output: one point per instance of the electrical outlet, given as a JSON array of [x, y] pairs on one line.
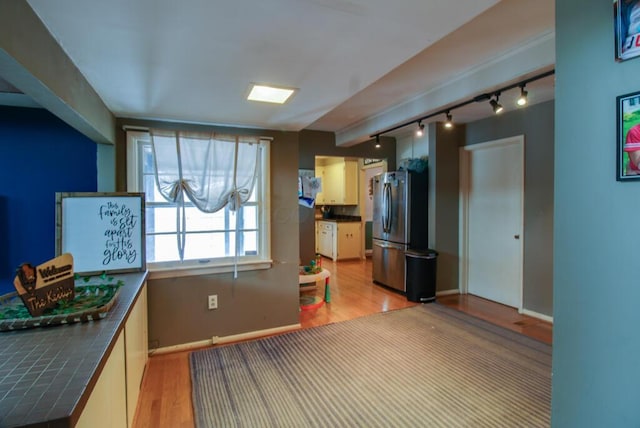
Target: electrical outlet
[[213, 301]]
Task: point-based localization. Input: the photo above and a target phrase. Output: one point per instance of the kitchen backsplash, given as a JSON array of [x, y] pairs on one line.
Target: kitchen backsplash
[[339, 210]]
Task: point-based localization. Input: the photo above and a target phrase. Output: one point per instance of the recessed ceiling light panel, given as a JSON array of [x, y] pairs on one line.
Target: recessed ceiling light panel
[[270, 94]]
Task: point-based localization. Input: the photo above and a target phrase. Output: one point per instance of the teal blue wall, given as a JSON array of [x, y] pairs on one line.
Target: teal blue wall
[[596, 340]]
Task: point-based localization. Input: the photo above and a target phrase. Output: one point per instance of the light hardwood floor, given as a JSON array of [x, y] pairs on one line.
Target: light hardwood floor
[[165, 399]]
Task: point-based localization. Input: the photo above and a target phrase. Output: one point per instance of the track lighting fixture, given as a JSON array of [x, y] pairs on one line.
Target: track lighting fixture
[[378, 145], [522, 99], [492, 97], [497, 107], [449, 122]]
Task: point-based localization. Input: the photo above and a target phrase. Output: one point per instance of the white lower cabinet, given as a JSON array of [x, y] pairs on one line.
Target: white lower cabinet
[[325, 239], [114, 398], [137, 352], [107, 405], [348, 241], [339, 241]]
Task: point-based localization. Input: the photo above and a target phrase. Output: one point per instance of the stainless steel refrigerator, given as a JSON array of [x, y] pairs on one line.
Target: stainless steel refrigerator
[[399, 223]]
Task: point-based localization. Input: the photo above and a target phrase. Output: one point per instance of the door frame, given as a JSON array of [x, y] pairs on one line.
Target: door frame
[[463, 235]]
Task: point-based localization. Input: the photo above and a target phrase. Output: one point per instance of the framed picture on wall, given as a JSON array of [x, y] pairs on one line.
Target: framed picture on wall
[[626, 14], [628, 136], [367, 161], [104, 232]]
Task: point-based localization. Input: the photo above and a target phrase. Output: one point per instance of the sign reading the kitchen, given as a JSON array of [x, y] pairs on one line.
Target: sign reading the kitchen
[[42, 287], [371, 161], [103, 231]]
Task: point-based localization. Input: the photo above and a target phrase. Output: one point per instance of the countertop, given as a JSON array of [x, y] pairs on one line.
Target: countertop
[[47, 374], [342, 219]]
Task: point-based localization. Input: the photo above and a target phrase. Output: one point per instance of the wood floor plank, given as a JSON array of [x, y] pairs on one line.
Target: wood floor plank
[[501, 315], [165, 398]]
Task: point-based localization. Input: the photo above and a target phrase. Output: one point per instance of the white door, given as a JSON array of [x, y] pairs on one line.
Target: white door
[[492, 189]]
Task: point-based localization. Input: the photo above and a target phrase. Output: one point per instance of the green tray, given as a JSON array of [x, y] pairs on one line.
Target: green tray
[[91, 303]]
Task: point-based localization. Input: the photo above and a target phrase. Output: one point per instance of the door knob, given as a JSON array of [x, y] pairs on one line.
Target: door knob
[[516, 236]]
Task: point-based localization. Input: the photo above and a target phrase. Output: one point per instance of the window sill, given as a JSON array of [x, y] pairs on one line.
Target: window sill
[[176, 271]]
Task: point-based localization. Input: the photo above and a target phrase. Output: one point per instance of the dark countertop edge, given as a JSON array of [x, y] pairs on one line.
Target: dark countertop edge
[[340, 220], [110, 327]]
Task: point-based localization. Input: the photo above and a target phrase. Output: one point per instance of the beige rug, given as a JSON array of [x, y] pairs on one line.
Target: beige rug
[[426, 366]]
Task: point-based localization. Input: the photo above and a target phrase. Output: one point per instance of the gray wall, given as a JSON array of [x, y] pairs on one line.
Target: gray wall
[[536, 123], [596, 343], [444, 201], [256, 300], [318, 143], [106, 158]]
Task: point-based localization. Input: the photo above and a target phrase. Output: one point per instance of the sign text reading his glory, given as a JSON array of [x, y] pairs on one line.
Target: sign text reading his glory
[[119, 242]]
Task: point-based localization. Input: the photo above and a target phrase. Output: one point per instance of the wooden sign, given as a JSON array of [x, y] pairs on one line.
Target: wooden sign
[[44, 286], [103, 231]]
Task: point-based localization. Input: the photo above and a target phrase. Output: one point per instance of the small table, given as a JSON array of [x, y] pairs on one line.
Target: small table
[[307, 281]]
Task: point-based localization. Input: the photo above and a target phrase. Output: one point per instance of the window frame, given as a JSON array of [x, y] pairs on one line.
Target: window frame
[[213, 265]]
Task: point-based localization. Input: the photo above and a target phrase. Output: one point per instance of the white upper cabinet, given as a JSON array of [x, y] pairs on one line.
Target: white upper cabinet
[[339, 182]]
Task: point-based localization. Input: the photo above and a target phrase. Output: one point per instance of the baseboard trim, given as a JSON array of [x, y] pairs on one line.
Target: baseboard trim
[[217, 340], [533, 314], [448, 292]]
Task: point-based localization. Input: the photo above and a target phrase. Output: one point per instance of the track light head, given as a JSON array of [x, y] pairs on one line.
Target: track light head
[[522, 99], [420, 130], [449, 122], [497, 107], [378, 145]]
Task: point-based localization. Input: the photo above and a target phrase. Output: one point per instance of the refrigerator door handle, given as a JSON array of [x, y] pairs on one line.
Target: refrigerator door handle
[[387, 208], [383, 215]]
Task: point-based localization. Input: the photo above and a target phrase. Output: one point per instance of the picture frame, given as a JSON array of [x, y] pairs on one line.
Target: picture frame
[[103, 231], [626, 15], [628, 137], [368, 161]]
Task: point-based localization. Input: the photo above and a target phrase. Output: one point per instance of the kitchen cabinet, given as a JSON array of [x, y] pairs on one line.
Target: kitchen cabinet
[[339, 182], [325, 239], [339, 240], [136, 352], [98, 366], [348, 240], [114, 398], [107, 405]]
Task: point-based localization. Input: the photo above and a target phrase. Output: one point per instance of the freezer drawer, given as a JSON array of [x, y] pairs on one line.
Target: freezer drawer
[[388, 264]]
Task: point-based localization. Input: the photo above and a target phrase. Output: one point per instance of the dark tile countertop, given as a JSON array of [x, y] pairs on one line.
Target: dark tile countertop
[[342, 219], [47, 374]]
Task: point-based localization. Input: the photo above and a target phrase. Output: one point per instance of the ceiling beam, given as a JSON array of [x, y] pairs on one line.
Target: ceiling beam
[[32, 61], [538, 54]]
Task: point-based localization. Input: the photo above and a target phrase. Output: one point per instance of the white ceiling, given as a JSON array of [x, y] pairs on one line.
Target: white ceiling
[[361, 66]]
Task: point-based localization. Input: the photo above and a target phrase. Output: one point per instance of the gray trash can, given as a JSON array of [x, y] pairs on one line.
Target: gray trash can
[[420, 275]]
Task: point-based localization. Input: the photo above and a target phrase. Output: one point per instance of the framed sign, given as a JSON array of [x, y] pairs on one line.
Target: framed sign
[[368, 161], [628, 137], [626, 15], [104, 232]]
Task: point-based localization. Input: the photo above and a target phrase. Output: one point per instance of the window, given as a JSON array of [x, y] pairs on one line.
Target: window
[[210, 238]]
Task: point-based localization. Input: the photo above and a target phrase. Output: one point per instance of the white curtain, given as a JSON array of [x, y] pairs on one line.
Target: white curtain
[[208, 169]]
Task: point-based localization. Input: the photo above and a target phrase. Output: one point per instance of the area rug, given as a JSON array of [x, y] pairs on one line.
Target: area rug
[[426, 366]]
